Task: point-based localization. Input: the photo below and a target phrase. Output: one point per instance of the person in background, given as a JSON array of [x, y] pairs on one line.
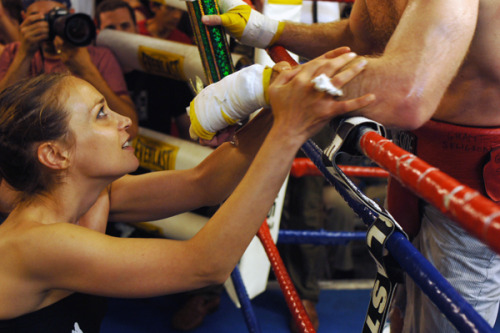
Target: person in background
[[160, 101], [141, 10], [165, 23], [35, 54]]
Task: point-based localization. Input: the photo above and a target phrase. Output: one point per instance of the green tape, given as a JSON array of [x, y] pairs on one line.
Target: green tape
[[211, 41]]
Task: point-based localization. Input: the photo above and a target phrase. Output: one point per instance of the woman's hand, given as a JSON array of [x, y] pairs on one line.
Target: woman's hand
[[299, 109]]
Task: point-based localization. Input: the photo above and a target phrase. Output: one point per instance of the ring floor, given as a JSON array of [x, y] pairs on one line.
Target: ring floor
[[340, 309]]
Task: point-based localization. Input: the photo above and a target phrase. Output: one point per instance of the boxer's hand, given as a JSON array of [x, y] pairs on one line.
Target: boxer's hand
[[227, 134], [246, 24], [228, 101]]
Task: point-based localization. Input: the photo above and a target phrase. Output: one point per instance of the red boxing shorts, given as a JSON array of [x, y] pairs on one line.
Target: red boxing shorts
[[469, 154]]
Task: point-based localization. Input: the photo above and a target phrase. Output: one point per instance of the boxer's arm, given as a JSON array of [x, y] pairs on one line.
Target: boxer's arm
[[420, 60], [412, 72]]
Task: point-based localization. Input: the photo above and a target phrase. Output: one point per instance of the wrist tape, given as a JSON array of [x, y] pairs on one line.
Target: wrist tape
[[248, 25], [228, 101]]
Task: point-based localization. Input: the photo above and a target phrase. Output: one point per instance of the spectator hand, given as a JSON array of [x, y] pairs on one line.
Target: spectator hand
[[76, 58], [246, 24], [34, 30]]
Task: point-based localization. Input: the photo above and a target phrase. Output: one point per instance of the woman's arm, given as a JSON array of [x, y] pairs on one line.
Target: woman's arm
[[76, 258], [165, 193]]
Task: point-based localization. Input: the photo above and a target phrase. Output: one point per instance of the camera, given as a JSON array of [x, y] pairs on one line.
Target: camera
[[78, 29]]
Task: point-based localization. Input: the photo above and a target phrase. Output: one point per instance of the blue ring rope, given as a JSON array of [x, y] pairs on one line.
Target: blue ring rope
[[458, 311], [246, 305]]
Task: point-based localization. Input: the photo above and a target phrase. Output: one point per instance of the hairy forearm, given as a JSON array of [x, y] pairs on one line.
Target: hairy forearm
[[312, 40], [419, 62]]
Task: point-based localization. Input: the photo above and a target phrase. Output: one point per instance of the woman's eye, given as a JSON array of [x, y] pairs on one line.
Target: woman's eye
[[101, 113]]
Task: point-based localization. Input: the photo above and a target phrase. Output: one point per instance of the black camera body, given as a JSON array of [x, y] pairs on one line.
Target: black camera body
[[78, 29]]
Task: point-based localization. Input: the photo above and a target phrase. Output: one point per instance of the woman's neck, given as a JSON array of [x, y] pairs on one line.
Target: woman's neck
[[65, 204]]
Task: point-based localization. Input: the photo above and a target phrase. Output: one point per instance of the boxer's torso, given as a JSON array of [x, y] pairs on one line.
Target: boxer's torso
[[473, 98]]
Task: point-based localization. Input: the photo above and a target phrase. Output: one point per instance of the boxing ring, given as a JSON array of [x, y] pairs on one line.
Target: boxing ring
[[477, 214], [474, 212]]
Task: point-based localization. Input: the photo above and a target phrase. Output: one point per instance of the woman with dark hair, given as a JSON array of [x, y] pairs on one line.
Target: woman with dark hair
[[65, 153]]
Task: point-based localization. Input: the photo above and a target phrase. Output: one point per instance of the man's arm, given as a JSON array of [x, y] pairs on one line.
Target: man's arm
[[419, 62], [413, 71], [416, 49]]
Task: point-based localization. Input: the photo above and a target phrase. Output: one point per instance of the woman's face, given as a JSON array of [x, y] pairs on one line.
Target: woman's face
[[100, 148]]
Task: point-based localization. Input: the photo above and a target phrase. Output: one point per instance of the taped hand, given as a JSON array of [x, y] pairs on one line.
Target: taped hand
[[246, 24], [228, 101]]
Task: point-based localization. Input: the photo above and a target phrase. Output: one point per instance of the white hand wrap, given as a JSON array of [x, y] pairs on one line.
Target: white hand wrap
[[229, 100], [226, 5], [259, 30]]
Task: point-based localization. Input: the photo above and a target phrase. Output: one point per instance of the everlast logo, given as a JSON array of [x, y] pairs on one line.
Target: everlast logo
[[383, 289], [162, 63], [405, 140], [155, 155]]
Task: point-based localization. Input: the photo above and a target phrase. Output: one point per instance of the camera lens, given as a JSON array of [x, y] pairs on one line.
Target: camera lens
[[79, 29]]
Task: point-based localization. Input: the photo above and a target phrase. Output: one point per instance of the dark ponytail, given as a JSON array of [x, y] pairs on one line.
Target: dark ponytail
[[30, 113]]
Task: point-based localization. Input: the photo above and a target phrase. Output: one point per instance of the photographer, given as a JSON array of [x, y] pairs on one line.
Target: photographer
[[38, 53]]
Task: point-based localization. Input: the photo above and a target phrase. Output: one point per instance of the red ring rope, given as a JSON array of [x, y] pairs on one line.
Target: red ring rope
[[474, 212], [303, 166], [292, 299]]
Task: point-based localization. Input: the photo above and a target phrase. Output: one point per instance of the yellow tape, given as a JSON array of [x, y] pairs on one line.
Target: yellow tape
[[196, 126], [162, 63], [227, 119], [154, 154], [285, 2]]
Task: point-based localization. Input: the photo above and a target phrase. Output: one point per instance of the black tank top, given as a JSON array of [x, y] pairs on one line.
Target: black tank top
[[77, 313]]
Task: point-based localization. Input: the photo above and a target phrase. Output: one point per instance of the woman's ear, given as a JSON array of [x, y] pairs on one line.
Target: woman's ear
[[53, 155]]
